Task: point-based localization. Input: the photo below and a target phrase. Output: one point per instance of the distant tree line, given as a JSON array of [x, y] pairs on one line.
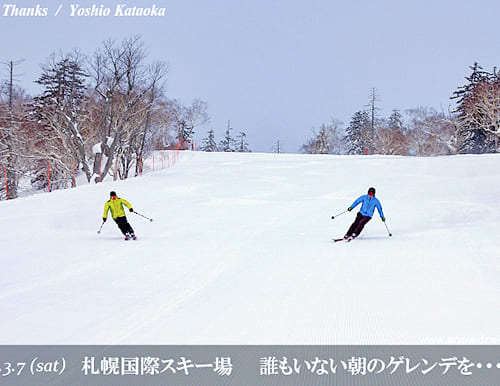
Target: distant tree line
[[99, 115], [227, 143], [472, 127]]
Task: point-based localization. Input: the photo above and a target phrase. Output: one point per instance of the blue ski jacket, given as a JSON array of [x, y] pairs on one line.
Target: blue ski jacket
[[368, 205]]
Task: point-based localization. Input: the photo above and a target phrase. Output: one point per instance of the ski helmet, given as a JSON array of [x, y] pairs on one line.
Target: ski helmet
[[112, 193], [371, 190]]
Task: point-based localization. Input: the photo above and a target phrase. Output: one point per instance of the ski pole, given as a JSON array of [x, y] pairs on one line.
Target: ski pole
[[337, 215], [99, 231], [150, 219], [390, 234]]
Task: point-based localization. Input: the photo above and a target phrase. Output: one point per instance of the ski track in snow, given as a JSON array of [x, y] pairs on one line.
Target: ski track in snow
[[240, 252]]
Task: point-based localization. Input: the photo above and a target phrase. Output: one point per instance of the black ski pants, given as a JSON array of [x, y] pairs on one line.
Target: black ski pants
[[123, 225], [358, 225]]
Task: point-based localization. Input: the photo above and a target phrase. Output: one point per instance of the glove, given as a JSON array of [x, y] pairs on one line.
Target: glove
[[349, 209], [131, 209], [383, 219], [104, 219]]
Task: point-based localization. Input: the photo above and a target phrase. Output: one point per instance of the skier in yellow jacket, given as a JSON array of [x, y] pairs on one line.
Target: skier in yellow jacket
[[115, 205]]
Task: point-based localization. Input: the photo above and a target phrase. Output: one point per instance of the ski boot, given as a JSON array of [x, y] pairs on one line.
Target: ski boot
[[351, 237]]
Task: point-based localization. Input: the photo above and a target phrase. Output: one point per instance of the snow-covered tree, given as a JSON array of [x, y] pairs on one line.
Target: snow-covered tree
[[359, 137], [478, 111], [227, 144], [208, 143], [13, 143], [184, 135], [327, 140], [61, 108], [125, 87], [395, 120], [390, 135], [110, 110], [242, 143], [428, 132], [179, 123], [194, 116]]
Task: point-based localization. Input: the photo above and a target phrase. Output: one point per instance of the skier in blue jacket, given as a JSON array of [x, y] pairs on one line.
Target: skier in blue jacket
[[368, 204]]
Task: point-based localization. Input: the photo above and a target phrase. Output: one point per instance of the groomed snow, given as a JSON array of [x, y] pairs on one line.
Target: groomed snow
[[239, 252]]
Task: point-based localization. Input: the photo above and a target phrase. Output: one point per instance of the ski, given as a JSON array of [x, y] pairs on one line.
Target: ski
[[348, 239]]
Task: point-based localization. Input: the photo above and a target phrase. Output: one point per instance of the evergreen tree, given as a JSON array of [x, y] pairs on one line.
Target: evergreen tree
[[395, 120], [474, 141], [227, 144], [242, 143], [61, 109], [478, 111], [359, 137], [277, 147], [184, 135], [209, 143]]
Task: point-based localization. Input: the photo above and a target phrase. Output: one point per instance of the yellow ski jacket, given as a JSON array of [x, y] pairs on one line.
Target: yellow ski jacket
[[116, 207]]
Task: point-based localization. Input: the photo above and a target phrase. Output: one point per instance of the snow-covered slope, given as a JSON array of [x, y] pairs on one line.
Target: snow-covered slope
[[239, 252]]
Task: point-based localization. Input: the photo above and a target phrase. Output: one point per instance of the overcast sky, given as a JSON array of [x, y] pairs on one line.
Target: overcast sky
[[276, 69]]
